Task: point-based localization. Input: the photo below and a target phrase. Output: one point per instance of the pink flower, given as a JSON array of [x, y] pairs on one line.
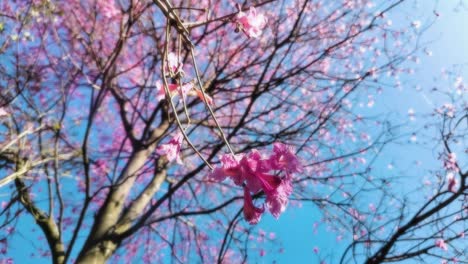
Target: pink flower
[[3, 112], [161, 91], [416, 24], [452, 182], [100, 167], [217, 174], [253, 172], [230, 167], [440, 243], [174, 65], [173, 88], [251, 24], [185, 88], [283, 158], [109, 9], [356, 215], [278, 199], [251, 213], [450, 163], [316, 250], [448, 109], [172, 149], [209, 99], [253, 169]]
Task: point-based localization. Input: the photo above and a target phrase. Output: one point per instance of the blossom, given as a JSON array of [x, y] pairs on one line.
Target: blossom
[[174, 65], [209, 99], [161, 91], [416, 24], [3, 112], [109, 9], [283, 158], [182, 90], [448, 109], [185, 88], [356, 215], [316, 250], [251, 213], [440, 243], [452, 182], [229, 167], [100, 167], [450, 163], [278, 199], [411, 114], [252, 23], [172, 149], [254, 172]]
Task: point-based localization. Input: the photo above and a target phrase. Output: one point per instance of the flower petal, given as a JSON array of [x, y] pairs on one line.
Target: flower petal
[[251, 213]]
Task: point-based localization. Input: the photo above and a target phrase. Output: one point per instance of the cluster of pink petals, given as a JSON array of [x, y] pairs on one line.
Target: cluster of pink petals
[[451, 182], [251, 213], [258, 173], [3, 112], [450, 163], [209, 99], [174, 65], [183, 90], [448, 109], [440, 243], [356, 215], [109, 8], [173, 89], [252, 23], [172, 149]]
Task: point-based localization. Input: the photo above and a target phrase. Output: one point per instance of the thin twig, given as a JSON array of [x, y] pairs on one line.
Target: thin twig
[[169, 98]]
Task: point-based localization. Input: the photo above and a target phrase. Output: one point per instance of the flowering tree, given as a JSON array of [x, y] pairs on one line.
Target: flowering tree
[[166, 129]]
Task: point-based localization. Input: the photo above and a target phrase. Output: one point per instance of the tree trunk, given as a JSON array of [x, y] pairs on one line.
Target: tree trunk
[[97, 254]]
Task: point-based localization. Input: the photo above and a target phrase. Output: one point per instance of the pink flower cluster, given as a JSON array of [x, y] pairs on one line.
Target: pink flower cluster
[[183, 90], [109, 9], [174, 65], [450, 163], [3, 112], [172, 149], [209, 99], [252, 23], [256, 173], [440, 243]]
